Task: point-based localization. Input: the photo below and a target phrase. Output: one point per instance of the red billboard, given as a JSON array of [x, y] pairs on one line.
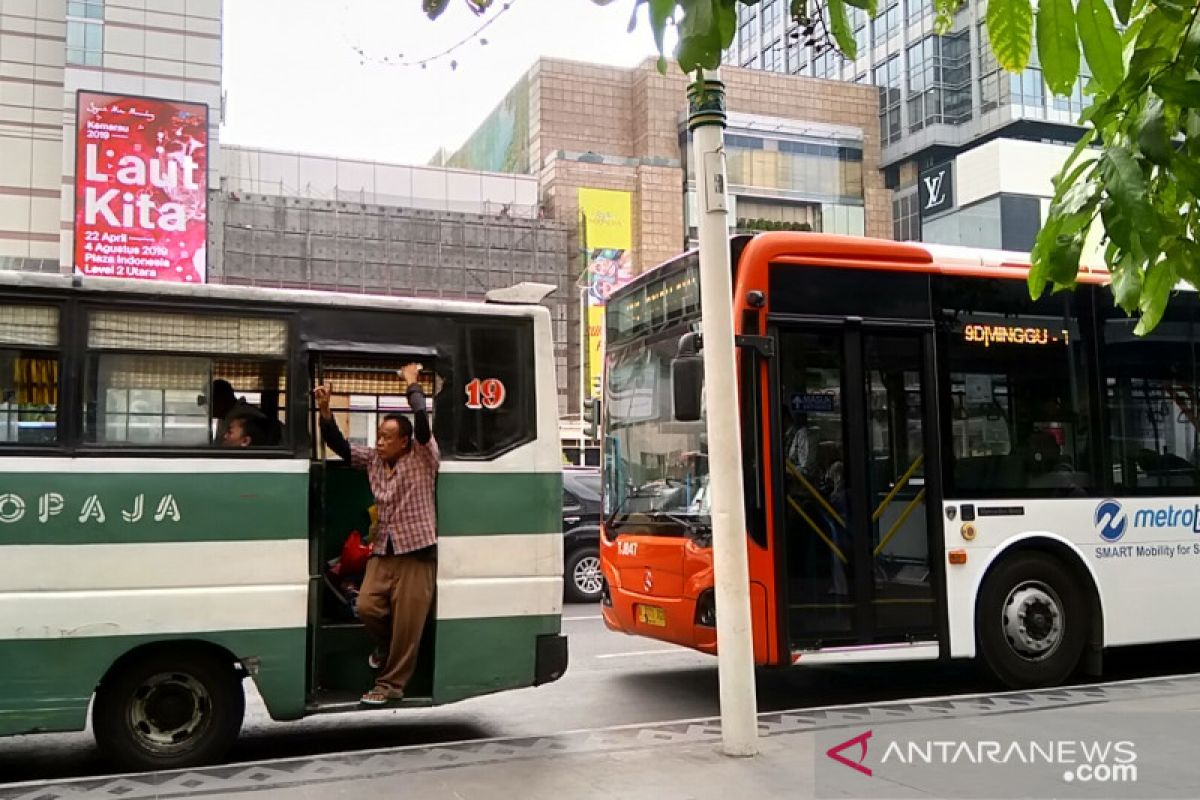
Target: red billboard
[[141, 188]]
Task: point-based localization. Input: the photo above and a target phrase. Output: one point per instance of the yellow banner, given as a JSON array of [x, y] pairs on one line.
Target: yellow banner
[[606, 230]]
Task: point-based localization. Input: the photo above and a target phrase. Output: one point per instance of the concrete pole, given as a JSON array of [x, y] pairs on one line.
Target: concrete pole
[[735, 643]]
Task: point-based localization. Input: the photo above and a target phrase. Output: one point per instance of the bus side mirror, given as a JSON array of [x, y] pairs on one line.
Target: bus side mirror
[[687, 378]]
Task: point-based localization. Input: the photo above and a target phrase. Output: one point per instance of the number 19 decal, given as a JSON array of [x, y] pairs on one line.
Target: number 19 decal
[[488, 393]]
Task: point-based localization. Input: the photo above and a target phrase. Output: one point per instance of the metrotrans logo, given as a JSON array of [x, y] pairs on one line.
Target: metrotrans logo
[[1112, 519]]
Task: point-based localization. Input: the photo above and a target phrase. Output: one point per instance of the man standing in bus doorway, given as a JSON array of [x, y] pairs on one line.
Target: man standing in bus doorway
[[397, 589]]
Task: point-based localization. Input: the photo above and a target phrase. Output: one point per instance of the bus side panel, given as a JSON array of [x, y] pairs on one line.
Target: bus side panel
[[47, 684], [500, 562], [1119, 573], [99, 557]]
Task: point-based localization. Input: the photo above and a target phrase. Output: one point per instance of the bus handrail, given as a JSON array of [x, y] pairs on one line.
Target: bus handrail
[[900, 484]]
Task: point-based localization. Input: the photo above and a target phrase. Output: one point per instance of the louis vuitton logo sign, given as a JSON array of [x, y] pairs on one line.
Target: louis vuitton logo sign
[[937, 189]]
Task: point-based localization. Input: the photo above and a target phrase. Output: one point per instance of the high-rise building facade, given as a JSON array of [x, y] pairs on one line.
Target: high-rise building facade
[[940, 97], [51, 49]]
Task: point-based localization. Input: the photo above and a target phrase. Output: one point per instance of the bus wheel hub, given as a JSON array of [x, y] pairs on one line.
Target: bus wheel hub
[[169, 710], [1033, 620]]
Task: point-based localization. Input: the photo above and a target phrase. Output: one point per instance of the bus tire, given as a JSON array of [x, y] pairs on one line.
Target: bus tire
[[168, 710], [1030, 621]]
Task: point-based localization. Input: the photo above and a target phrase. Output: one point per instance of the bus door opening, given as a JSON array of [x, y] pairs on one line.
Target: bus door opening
[[855, 534], [364, 388]]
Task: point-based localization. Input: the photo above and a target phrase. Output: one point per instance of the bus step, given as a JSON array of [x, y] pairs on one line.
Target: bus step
[[338, 702]]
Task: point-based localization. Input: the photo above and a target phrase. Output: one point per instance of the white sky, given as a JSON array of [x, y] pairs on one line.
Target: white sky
[[294, 81]]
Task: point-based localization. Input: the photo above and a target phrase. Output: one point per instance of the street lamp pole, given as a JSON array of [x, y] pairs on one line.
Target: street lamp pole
[[735, 642]]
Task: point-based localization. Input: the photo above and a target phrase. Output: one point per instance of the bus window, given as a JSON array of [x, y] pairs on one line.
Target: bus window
[[28, 374], [135, 396], [1018, 392], [496, 386], [363, 391], [1152, 387]]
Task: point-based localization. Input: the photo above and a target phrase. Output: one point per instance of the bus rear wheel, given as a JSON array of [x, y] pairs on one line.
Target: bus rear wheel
[[1030, 621], [168, 711]]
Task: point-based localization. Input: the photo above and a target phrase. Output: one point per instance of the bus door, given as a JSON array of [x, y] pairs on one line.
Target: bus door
[[853, 484]]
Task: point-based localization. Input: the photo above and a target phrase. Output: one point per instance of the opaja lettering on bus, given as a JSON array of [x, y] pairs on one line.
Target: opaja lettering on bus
[[14, 509]]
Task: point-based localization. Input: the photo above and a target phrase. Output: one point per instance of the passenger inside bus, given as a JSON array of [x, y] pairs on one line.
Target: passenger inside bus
[[246, 428], [227, 406]]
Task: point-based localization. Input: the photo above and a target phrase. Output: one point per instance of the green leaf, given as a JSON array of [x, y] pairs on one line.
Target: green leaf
[[659, 12], [1144, 62], [726, 15], [1156, 291], [944, 15], [1126, 284], [1058, 44], [434, 8], [700, 36], [1185, 170], [1153, 139], [1077, 206], [1101, 43], [1055, 257], [1117, 225], [1178, 10], [1187, 261], [869, 6], [1010, 29], [1125, 183], [839, 26], [1123, 7], [1177, 89]]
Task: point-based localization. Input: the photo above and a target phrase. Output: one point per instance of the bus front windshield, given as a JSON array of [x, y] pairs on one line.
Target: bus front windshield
[[655, 468]]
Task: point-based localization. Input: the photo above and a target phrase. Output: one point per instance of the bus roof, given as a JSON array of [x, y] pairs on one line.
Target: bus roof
[[823, 249], [254, 294]]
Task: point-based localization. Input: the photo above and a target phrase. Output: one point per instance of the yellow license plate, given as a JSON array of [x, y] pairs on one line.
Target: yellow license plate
[[652, 615]]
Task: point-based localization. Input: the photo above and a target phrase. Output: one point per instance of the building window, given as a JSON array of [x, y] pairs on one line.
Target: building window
[[85, 32], [770, 18], [827, 65], [794, 56], [906, 216], [85, 9], [939, 80], [862, 33], [1027, 87], [887, 78], [919, 10], [1073, 102], [886, 23], [747, 40], [772, 57]]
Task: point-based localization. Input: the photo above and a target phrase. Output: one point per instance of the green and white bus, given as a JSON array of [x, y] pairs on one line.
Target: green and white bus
[[146, 570]]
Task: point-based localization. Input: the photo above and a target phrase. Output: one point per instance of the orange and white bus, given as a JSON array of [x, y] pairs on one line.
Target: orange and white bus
[[935, 466]]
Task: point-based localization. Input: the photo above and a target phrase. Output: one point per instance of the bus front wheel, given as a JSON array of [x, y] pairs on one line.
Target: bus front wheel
[[1030, 621], [168, 711]]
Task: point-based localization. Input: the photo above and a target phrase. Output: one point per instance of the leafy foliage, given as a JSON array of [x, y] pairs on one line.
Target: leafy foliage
[[1136, 170]]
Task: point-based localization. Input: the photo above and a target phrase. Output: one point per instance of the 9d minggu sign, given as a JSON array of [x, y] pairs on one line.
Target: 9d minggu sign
[[141, 188]]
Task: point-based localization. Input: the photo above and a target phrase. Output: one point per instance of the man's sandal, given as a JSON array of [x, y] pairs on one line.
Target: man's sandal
[[379, 696]]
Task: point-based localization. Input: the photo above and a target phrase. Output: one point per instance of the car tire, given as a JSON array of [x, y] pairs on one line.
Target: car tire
[[582, 578], [1031, 621], [168, 710]]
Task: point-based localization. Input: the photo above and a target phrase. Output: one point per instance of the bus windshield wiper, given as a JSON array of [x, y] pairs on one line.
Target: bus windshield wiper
[[632, 495]]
